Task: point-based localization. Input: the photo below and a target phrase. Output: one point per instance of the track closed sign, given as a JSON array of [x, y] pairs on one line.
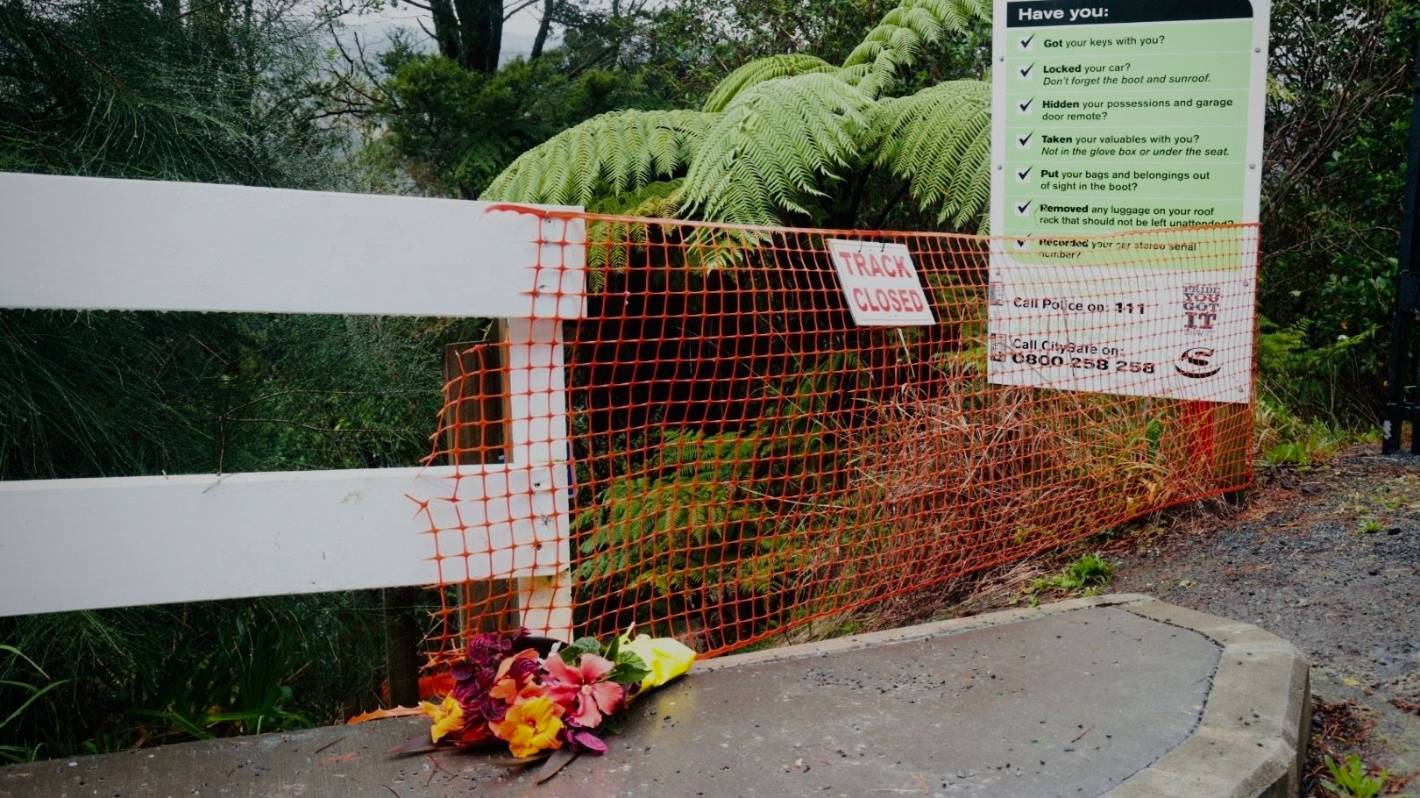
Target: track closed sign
[[880, 283]]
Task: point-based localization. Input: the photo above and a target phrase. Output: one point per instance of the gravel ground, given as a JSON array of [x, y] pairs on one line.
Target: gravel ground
[[1329, 558]]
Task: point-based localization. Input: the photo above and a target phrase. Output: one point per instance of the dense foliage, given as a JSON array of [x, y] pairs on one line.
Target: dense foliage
[[453, 130], [1338, 118]]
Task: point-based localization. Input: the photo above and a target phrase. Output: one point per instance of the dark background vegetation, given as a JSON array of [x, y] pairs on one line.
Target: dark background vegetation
[[280, 93]]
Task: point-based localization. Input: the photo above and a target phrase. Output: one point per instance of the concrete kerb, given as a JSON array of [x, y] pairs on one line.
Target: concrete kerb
[[1251, 741]]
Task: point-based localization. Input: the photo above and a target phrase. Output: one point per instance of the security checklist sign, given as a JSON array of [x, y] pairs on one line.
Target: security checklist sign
[[1124, 132]]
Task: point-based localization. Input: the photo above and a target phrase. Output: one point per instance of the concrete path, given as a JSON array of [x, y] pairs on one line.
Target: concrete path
[[1073, 699]]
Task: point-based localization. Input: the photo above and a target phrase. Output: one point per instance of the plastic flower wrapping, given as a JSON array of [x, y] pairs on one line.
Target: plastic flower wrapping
[[505, 692]]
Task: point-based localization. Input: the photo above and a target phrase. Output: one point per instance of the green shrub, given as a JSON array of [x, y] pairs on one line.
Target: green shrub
[[1325, 379], [147, 675]]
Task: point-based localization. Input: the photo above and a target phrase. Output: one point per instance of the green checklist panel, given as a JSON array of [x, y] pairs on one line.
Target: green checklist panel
[[1122, 115]]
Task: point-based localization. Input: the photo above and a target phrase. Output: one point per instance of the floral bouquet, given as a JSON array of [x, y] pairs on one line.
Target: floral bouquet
[[538, 696]]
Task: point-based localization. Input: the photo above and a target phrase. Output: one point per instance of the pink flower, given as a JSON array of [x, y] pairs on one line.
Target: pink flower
[[584, 690]]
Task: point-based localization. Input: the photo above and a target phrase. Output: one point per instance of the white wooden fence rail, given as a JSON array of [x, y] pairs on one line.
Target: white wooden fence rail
[[147, 245]]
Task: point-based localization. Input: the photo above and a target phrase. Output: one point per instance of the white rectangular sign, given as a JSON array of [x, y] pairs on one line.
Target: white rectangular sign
[[880, 283], [1123, 131]]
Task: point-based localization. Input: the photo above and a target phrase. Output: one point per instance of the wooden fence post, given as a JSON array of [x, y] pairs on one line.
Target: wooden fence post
[[402, 640]]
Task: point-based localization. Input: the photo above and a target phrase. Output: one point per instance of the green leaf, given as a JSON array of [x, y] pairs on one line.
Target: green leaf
[[9, 649], [35, 696], [612, 648], [776, 146], [874, 64], [582, 645], [939, 141], [629, 669]]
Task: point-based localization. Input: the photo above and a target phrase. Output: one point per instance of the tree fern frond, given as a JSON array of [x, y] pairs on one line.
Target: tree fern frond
[[648, 200], [900, 36], [774, 146], [759, 71], [939, 141], [614, 153], [712, 248], [609, 242]]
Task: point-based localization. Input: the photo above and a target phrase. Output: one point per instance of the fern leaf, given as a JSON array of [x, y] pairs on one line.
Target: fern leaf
[[610, 241], [614, 153], [939, 141], [762, 70], [777, 144], [900, 36]]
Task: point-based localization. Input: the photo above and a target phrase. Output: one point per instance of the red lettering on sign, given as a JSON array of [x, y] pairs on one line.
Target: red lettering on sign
[[880, 287]]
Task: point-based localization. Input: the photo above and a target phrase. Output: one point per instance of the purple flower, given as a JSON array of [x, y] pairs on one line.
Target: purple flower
[[475, 676], [583, 740]]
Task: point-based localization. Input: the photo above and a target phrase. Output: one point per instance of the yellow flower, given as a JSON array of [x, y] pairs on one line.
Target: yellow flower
[[530, 726], [665, 658], [447, 717]]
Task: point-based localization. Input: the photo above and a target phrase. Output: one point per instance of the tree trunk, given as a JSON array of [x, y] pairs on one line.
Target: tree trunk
[[469, 32], [481, 31], [172, 10], [542, 30], [446, 30]]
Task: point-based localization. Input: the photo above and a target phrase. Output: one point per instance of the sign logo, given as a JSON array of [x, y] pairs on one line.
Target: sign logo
[[999, 348], [1200, 307], [1197, 363]]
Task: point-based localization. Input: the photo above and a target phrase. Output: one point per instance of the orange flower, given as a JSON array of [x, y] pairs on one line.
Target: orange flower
[[515, 678], [436, 685], [531, 725]]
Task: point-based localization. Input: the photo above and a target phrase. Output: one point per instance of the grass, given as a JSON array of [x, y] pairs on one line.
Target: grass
[[101, 681], [1085, 576], [28, 693], [1370, 526], [1286, 439]]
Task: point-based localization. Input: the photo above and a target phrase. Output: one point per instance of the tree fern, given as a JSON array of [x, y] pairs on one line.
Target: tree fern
[[939, 141], [609, 241], [773, 137], [609, 154], [897, 40], [773, 147], [761, 70]]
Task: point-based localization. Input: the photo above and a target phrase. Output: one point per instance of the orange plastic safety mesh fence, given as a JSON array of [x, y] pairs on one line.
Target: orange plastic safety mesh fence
[[742, 459]]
